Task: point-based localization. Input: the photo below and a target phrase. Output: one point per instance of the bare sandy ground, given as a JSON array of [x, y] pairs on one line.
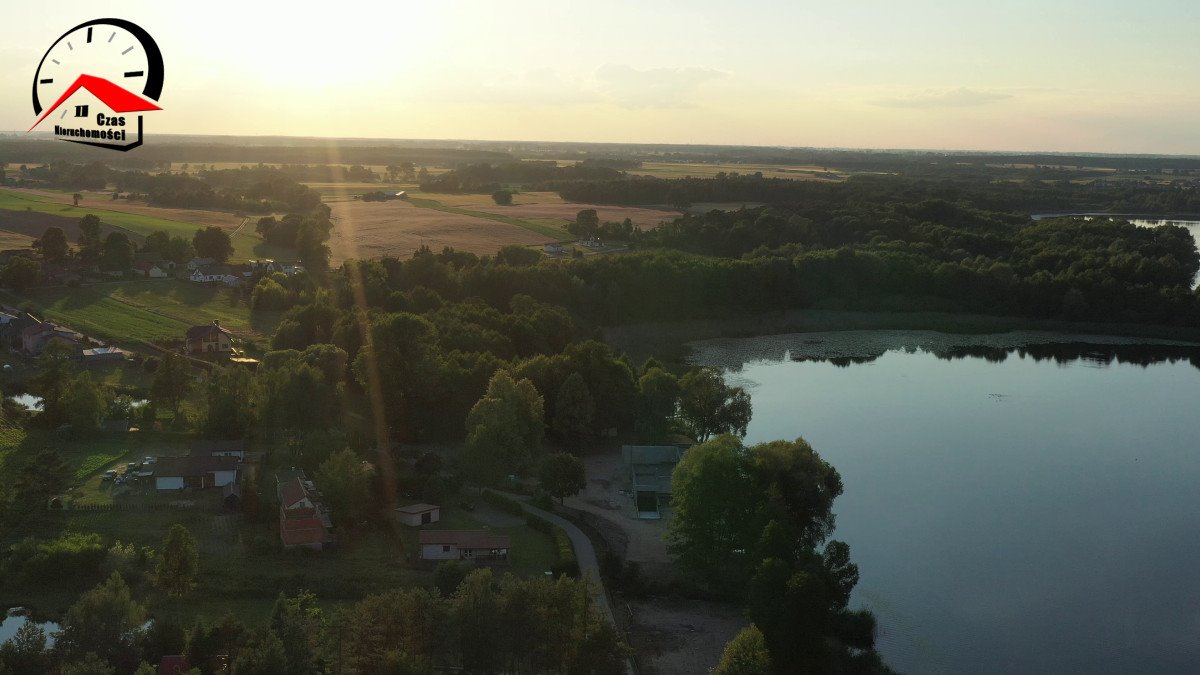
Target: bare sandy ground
[[374, 229], [675, 636], [606, 496]]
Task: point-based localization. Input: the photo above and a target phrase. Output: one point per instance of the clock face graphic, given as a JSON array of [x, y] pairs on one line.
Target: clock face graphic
[[114, 60]]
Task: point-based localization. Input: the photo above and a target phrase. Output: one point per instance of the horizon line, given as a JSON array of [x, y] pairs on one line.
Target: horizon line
[[41, 135]]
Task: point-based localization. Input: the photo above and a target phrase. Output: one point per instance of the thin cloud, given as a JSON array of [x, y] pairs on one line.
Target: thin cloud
[[631, 87], [946, 98]]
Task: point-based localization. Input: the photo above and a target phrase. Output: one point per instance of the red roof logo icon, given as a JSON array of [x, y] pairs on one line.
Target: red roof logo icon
[[118, 99]]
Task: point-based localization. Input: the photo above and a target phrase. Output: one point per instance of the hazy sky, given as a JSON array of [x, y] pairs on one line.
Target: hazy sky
[[1098, 75]]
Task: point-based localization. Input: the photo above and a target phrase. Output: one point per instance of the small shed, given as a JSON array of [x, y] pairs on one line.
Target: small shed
[[416, 515]]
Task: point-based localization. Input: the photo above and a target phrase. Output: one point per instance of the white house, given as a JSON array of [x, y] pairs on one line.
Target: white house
[[217, 274], [479, 546], [416, 515], [195, 471]]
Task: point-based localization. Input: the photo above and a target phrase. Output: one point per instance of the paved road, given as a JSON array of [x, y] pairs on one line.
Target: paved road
[[585, 554]]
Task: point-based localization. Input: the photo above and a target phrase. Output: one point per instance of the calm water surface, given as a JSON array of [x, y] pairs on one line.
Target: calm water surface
[[1007, 516]]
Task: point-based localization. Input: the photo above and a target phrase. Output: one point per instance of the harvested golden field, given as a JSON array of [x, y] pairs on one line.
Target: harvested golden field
[[397, 228], [645, 217], [547, 208], [467, 200]]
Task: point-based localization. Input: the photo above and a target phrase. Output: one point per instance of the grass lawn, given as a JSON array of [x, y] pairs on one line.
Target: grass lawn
[[150, 310], [133, 222], [532, 552]]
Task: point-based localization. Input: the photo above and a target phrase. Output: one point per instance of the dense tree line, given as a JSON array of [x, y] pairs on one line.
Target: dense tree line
[[480, 623], [488, 178], [816, 200], [255, 189]]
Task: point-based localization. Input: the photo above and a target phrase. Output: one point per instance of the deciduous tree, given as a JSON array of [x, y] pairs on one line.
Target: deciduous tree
[[709, 406], [746, 654], [504, 429], [53, 244], [574, 410], [178, 562], [213, 242], [20, 273], [346, 483], [172, 382], [561, 475], [105, 620]]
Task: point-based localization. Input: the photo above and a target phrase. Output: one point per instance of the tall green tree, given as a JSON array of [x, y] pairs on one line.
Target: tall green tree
[[20, 273], [477, 613], [346, 483], [25, 651], [178, 250], [56, 367], [724, 495], [233, 399], [504, 429], [118, 252], [298, 622], [658, 401], [574, 410], [172, 382], [105, 620], [708, 406], [43, 476], [53, 244], [213, 242], [89, 239], [83, 403], [561, 475], [263, 654], [179, 561]]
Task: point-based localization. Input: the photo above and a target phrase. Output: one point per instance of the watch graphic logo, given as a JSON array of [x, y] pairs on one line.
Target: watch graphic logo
[[96, 80]]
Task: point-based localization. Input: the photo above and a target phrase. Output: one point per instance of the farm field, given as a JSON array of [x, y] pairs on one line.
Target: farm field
[[562, 213], [142, 221], [397, 228], [103, 201], [151, 310], [705, 170]]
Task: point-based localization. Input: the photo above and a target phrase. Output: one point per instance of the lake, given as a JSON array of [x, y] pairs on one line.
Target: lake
[[15, 618], [1024, 502]]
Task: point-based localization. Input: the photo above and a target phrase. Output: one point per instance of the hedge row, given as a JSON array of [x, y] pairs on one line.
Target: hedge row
[[503, 503], [564, 552]]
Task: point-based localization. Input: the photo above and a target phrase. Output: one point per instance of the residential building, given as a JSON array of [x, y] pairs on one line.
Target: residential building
[[195, 471], [303, 519], [35, 338], [208, 339], [479, 546], [235, 448]]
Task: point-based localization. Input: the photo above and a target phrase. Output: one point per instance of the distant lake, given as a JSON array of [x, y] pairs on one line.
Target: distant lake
[[1025, 502]]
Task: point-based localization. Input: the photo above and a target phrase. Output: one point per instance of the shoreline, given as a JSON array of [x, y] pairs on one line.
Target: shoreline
[[668, 341]]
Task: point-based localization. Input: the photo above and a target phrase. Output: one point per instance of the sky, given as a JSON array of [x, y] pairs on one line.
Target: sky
[[1003, 75]]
